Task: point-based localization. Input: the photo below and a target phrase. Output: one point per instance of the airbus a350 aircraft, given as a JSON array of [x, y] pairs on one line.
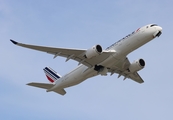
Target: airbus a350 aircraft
[[95, 61]]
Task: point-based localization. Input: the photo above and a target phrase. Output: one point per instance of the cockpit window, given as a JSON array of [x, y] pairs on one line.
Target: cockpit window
[[153, 25]]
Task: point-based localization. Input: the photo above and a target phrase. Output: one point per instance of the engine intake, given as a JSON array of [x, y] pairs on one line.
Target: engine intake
[[137, 65], [94, 51]]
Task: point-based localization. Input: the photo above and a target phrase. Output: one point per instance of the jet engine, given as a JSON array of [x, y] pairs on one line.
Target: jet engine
[[137, 65], [94, 51]]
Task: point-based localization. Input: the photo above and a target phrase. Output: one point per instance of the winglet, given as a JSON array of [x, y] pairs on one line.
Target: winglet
[[14, 42]]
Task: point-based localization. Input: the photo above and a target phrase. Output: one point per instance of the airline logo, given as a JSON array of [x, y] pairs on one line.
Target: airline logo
[[51, 75]]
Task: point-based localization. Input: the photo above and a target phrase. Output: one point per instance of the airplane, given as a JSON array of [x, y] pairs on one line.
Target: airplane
[[96, 61]]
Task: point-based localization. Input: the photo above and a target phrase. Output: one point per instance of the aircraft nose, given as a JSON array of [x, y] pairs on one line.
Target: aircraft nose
[[159, 28], [158, 32]]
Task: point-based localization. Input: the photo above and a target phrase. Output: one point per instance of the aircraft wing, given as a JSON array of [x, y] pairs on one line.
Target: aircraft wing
[[121, 69], [75, 54], [78, 55]]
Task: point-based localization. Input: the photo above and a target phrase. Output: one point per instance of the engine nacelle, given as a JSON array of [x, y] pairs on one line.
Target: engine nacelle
[[137, 65], [94, 51]]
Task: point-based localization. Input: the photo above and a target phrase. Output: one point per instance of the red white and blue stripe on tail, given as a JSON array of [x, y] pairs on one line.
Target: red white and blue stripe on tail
[[51, 75]]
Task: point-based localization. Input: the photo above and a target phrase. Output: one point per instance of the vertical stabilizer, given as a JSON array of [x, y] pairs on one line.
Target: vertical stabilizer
[[51, 75]]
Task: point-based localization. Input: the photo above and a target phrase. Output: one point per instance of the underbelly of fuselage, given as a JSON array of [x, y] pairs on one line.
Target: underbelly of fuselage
[[77, 76]]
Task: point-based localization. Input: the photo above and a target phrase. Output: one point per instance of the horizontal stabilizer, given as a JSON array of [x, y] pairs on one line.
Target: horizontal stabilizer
[[41, 85], [60, 91], [47, 86]]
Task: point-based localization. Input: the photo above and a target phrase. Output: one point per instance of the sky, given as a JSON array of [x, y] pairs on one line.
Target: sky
[[83, 24]]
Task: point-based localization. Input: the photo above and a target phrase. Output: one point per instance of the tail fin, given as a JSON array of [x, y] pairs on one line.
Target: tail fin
[[51, 75]]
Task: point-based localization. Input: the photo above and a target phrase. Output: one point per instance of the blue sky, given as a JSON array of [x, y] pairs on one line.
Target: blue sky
[[82, 24]]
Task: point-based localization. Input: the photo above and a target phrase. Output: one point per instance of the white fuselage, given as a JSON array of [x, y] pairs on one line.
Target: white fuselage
[[122, 48]]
